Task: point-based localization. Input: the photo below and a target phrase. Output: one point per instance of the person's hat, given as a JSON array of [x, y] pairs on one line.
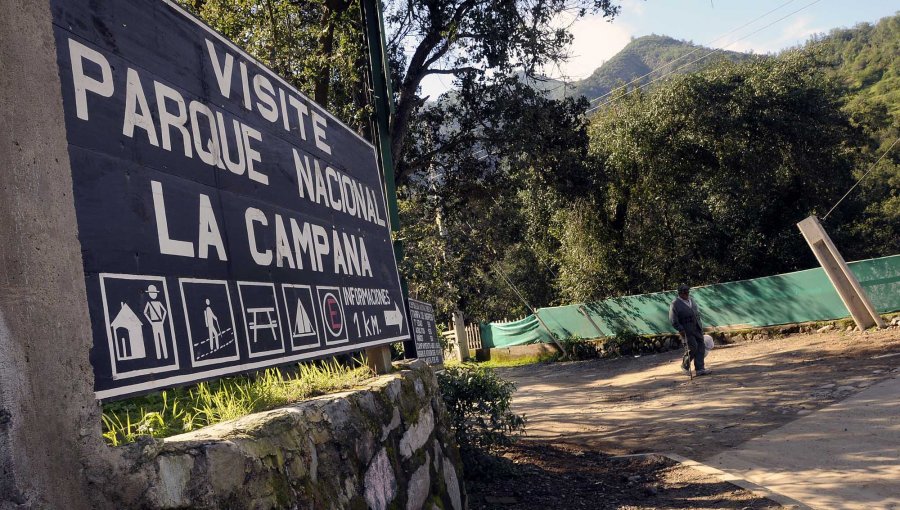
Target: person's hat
[[152, 288], [683, 288]]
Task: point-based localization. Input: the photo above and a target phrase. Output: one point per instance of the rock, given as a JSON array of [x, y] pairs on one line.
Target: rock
[[380, 482], [174, 475], [395, 422], [789, 329], [827, 386], [313, 462], [342, 448], [825, 329], [418, 434], [849, 329], [419, 486], [452, 483]]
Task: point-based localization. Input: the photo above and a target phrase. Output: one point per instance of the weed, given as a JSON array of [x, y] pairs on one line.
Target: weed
[[182, 410], [518, 362]]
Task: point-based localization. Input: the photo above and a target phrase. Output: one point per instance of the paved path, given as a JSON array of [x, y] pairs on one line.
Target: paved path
[[774, 412], [845, 456]]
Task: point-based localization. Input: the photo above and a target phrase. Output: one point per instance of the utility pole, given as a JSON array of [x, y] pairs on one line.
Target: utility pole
[[383, 99]]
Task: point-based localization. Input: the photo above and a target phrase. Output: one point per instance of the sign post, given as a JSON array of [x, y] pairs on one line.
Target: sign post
[[837, 270], [424, 333], [227, 222], [382, 97]]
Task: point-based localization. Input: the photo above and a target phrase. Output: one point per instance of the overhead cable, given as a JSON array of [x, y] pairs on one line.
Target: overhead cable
[[860, 179], [666, 75], [698, 48]]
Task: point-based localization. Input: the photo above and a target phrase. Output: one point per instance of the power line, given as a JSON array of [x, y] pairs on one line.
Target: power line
[[860, 179], [666, 75], [710, 43]]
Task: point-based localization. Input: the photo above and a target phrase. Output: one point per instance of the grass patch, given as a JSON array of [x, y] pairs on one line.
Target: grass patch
[[518, 362], [182, 410]]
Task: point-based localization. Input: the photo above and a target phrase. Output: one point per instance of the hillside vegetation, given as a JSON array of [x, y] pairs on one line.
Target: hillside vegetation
[[639, 57], [643, 55], [866, 58]]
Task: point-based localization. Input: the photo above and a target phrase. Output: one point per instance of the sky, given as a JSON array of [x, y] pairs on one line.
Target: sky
[[708, 22]]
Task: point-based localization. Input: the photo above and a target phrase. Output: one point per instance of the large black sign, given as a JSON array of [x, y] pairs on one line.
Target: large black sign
[[227, 222], [425, 335]]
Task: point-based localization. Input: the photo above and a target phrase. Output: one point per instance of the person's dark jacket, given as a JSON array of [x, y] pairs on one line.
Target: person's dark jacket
[[685, 318]]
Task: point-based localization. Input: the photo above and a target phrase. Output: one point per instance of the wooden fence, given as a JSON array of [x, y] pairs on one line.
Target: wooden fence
[[473, 333]]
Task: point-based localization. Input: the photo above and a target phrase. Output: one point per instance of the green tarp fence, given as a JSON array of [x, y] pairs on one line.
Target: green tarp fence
[[802, 296]]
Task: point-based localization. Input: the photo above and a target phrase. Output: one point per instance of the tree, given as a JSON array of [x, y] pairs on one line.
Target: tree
[[708, 174], [495, 193], [316, 45], [479, 43]]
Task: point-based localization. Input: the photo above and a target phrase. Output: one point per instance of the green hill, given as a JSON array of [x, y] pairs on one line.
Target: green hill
[[867, 59], [638, 58], [644, 54]]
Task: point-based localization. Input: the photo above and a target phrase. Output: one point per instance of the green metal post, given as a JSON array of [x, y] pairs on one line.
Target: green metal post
[[384, 107], [384, 102]]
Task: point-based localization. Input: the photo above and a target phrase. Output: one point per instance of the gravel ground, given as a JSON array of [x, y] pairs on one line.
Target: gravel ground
[[541, 475], [581, 414]]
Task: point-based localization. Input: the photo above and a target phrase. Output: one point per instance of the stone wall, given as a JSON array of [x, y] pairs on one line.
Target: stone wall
[[387, 445]]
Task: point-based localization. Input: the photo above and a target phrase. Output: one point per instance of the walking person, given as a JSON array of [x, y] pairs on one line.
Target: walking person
[[212, 327], [685, 317]]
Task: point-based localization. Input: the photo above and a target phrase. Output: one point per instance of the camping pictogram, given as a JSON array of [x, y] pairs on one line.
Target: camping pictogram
[[137, 312], [300, 311]]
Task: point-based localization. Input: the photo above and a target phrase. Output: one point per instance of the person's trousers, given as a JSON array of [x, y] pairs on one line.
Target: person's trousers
[[695, 350]]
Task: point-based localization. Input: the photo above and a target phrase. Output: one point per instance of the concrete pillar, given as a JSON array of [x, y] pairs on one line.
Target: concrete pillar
[[462, 341], [49, 420], [379, 359], [843, 279]]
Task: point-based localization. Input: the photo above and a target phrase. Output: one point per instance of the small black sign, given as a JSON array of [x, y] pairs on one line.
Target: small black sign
[[227, 222], [425, 335]]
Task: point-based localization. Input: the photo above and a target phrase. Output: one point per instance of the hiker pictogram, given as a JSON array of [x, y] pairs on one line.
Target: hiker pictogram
[[209, 320]]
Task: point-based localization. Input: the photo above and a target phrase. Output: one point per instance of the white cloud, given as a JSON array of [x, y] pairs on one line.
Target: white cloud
[[633, 7], [595, 40]]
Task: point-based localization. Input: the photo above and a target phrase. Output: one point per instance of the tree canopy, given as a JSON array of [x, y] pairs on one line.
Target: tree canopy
[[512, 197]]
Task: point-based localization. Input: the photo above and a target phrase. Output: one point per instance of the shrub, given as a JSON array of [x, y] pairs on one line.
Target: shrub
[[578, 349], [624, 342], [478, 401]]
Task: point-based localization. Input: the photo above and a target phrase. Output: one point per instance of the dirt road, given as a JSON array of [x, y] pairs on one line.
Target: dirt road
[[645, 404]]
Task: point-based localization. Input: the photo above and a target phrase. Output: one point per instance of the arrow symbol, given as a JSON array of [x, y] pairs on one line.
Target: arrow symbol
[[394, 318]]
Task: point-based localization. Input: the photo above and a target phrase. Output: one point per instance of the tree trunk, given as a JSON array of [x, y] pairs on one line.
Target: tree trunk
[[331, 10]]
